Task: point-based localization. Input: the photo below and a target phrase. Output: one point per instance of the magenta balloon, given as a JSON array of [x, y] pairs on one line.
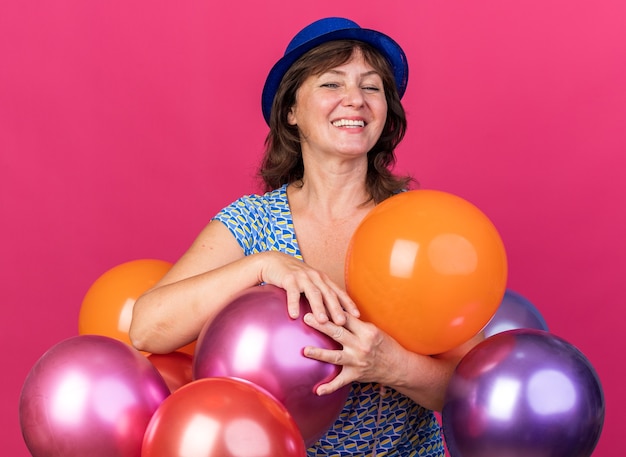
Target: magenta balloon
[[523, 393], [89, 395], [254, 338], [515, 311]]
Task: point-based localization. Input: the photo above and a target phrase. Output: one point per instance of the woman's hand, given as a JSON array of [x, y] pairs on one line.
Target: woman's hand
[[328, 301], [368, 354]]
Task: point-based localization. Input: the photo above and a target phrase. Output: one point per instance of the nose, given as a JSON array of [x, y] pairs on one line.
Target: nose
[[353, 96]]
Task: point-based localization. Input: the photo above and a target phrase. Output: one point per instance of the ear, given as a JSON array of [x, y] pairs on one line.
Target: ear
[[291, 116]]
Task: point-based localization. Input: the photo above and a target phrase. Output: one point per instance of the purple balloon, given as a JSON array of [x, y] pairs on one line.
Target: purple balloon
[[523, 393], [515, 311], [89, 395], [253, 338]]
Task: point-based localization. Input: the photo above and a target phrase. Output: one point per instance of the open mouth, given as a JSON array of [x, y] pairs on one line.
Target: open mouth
[[350, 123]]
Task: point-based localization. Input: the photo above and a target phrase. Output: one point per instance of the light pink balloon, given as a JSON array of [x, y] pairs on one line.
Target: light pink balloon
[[254, 338], [89, 395]]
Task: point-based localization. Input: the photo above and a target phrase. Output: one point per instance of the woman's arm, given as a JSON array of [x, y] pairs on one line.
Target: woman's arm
[[425, 378], [208, 277], [371, 355]]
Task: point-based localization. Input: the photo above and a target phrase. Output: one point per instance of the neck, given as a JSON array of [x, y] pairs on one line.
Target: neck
[[330, 174], [330, 199]]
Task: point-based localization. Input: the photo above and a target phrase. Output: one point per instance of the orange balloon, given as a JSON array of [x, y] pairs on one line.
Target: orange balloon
[[222, 417], [428, 268], [107, 308], [188, 348], [176, 368]]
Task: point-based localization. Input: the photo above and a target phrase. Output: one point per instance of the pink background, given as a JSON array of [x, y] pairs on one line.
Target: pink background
[[124, 126]]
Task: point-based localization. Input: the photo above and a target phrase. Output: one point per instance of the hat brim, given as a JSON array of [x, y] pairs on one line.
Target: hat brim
[[391, 50]]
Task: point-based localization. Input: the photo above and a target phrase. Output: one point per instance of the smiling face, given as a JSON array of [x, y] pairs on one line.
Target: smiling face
[[341, 111], [287, 143]]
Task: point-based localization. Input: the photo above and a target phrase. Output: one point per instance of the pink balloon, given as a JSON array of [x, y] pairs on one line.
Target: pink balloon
[[89, 395], [254, 338]]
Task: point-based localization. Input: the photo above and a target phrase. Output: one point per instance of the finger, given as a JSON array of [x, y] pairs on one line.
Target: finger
[[316, 302], [353, 323], [301, 284], [334, 307], [331, 308], [335, 384], [347, 303], [293, 303], [332, 297], [332, 356], [329, 328]]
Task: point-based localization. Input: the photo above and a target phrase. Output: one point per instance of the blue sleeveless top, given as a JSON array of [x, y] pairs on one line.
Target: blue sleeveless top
[[375, 421]]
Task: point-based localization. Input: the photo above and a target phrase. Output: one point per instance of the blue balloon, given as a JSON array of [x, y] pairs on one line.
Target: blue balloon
[[523, 393], [515, 311]]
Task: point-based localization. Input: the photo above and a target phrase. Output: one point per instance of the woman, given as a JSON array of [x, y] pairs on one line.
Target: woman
[[333, 106]]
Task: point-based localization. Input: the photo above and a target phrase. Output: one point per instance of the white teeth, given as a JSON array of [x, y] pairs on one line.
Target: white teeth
[[348, 123]]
